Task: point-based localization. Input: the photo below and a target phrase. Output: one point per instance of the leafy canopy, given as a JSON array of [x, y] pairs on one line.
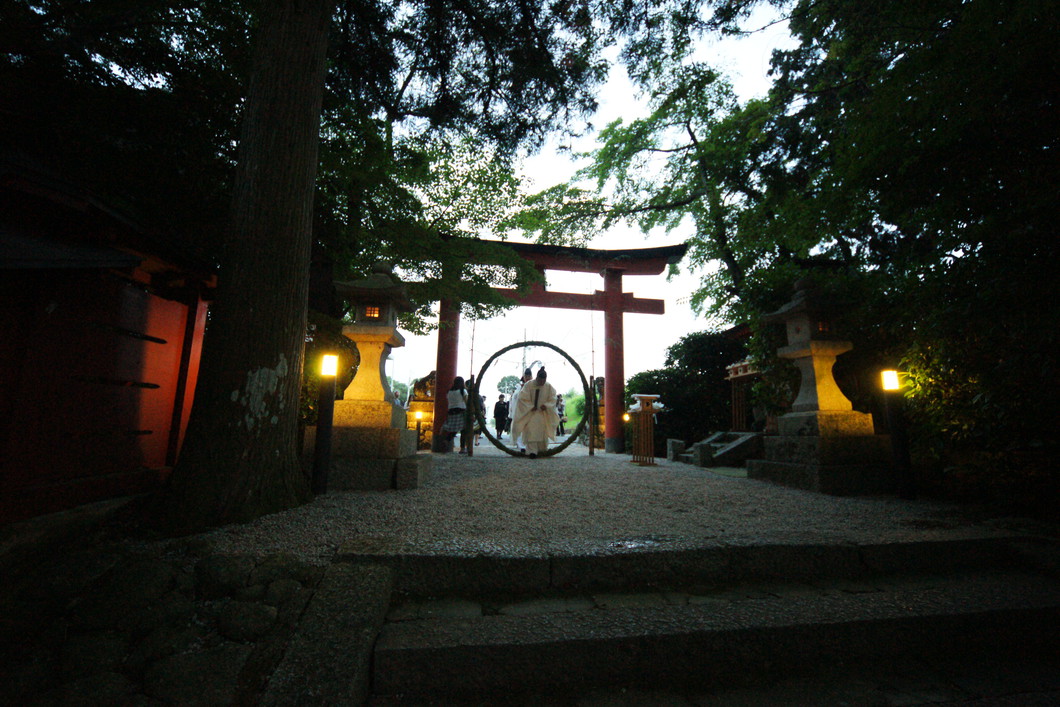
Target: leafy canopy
[[904, 158]]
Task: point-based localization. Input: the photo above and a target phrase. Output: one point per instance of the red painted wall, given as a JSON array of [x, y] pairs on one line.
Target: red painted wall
[[90, 366]]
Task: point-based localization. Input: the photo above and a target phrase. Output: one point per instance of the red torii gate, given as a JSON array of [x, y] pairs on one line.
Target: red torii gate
[[612, 301]]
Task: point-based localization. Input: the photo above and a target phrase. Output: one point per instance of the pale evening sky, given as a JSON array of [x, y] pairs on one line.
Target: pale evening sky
[[580, 333]]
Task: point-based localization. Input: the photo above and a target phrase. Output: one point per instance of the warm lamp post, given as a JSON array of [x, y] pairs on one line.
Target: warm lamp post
[[892, 405], [325, 416], [419, 427]]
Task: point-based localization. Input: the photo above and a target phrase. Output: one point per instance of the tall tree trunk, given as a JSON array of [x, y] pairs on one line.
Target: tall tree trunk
[[239, 459]]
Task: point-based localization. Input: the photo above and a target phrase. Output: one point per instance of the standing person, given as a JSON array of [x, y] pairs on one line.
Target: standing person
[[535, 414], [511, 408], [560, 410], [454, 421], [500, 415]]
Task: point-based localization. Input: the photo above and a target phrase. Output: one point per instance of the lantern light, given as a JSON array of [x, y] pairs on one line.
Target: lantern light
[[419, 414], [330, 366], [325, 418], [890, 380]]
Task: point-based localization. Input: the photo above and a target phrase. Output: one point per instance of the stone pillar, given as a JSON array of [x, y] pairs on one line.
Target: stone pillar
[[823, 443], [614, 364]]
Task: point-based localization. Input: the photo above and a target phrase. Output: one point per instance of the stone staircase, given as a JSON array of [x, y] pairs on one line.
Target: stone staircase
[[481, 630], [719, 449]]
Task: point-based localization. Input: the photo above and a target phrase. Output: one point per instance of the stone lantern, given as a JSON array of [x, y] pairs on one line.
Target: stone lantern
[[371, 445], [823, 443], [376, 301]]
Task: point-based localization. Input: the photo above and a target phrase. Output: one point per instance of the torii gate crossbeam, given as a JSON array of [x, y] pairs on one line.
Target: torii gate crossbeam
[[612, 301]]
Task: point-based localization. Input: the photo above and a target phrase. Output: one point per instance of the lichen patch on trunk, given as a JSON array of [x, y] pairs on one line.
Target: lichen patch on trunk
[[259, 392]]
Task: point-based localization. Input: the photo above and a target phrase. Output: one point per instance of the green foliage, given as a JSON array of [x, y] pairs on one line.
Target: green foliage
[[905, 160], [692, 386], [135, 101], [508, 385], [935, 119], [576, 406], [324, 337], [426, 106]]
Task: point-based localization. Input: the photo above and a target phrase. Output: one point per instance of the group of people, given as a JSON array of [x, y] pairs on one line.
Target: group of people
[[534, 417]]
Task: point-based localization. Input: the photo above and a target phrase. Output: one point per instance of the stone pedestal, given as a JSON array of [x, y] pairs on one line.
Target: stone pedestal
[[830, 451], [837, 464], [353, 474], [374, 344], [369, 444], [371, 459], [674, 449], [369, 413]]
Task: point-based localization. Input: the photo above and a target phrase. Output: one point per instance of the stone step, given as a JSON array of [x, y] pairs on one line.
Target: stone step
[[488, 650], [653, 562]]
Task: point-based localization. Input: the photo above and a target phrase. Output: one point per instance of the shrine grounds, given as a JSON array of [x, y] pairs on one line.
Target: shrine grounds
[[333, 602]]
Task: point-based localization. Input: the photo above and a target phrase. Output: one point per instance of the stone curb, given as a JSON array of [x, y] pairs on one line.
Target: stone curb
[[426, 575]]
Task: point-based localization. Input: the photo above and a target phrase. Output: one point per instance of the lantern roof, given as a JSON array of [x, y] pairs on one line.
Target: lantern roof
[[381, 286], [807, 299]]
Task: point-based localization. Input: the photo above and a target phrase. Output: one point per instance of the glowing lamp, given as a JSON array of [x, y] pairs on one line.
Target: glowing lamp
[[419, 414], [890, 380], [330, 366], [625, 417]]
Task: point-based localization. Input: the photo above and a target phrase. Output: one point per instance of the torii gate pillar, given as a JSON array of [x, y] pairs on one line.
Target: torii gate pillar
[[612, 301], [614, 363], [445, 368]]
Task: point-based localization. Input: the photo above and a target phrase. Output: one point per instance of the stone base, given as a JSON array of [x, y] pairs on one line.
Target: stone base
[[615, 445], [361, 474], [836, 480], [702, 454], [826, 423], [372, 443], [393, 464], [674, 449], [829, 451], [841, 466], [369, 413], [379, 474], [413, 472]]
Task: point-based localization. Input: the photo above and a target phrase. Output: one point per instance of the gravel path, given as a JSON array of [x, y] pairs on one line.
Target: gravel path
[[495, 504]]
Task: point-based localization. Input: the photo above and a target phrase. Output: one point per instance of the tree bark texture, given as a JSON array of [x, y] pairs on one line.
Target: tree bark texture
[[239, 459]]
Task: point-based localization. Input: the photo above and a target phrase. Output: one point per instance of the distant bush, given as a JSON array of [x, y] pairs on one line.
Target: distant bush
[[693, 388]]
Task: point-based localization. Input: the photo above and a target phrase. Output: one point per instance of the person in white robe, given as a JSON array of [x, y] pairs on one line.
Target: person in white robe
[[527, 375], [535, 418]]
